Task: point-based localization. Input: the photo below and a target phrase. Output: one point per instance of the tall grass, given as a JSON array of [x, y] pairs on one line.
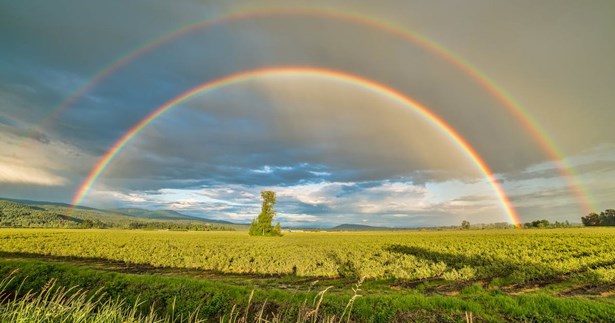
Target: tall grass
[[55, 303]]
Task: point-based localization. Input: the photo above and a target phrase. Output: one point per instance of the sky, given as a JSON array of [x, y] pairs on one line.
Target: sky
[[341, 123]]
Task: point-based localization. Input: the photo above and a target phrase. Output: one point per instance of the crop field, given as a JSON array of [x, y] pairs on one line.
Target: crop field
[[545, 267], [518, 255]]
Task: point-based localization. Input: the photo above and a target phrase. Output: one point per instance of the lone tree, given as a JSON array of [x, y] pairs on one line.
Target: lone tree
[[465, 225], [261, 226]]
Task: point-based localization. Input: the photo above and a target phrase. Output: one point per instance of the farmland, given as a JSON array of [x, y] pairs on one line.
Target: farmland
[[520, 255], [574, 266]]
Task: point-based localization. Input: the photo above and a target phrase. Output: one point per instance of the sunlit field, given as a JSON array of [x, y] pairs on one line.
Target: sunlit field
[[517, 256], [575, 266]]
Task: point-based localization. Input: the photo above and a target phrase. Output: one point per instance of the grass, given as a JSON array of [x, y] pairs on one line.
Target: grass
[[514, 256], [43, 291], [55, 303], [492, 275]]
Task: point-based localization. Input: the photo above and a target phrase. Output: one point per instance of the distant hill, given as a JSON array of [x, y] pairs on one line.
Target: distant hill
[[13, 214], [32, 202], [357, 227], [26, 213], [39, 214], [164, 215]]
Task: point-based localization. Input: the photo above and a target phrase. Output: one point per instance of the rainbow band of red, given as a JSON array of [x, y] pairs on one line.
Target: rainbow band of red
[[497, 91], [299, 71]]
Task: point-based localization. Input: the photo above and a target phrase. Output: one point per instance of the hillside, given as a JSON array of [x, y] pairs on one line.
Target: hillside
[[163, 215], [13, 214], [37, 214]]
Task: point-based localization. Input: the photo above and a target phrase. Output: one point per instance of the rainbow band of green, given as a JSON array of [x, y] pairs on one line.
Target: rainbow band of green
[[299, 71], [507, 100]]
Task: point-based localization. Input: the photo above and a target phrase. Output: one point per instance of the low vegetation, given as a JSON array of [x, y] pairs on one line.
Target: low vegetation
[[47, 291], [513, 255]]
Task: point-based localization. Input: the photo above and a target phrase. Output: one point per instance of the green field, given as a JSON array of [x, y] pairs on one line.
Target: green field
[[493, 275]]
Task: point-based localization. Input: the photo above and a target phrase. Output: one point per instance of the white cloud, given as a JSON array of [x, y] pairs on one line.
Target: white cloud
[[38, 160], [20, 174]]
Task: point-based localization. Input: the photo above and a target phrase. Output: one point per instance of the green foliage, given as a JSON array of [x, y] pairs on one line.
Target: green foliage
[[465, 225], [40, 292], [261, 226], [537, 224], [277, 230], [14, 214], [546, 224], [605, 218], [94, 295], [179, 226], [19, 215], [515, 255], [53, 303]]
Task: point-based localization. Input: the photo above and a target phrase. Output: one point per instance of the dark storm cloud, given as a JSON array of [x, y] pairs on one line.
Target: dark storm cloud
[[7, 121], [356, 187], [298, 207], [185, 174], [195, 58], [599, 166], [52, 52], [540, 197], [34, 192], [80, 35], [41, 137]]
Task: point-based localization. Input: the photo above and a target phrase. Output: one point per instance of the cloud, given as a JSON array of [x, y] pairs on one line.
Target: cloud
[[6, 121], [270, 145], [18, 174], [40, 162], [392, 203]]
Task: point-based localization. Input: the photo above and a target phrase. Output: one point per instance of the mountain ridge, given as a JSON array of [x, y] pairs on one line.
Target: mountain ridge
[[164, 215], [31, 213], [358, 227]]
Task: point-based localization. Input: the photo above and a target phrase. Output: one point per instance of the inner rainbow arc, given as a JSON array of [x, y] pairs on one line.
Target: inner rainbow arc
[[537, 132], [367, 84]]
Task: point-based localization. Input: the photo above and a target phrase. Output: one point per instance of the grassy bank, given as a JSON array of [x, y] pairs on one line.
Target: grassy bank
[[177, 297]]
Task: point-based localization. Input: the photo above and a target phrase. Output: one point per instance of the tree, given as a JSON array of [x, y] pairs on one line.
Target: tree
[[465, 225], [591, 219], [606, 218], [540, 223], [261, 226]]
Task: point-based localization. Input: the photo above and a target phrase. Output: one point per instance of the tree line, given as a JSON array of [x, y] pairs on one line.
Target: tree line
[[605, 218], [17, 215], [544, 223], [178, 226]]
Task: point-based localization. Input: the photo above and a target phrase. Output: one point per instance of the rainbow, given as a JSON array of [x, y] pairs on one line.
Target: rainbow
[[358, 81], [506, 99]]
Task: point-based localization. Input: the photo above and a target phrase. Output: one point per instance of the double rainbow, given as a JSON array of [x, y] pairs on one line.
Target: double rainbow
[[488, 84], [350, 79]]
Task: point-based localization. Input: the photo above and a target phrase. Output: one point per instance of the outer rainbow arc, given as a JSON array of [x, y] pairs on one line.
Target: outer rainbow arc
[[100, 166], [516, 109]]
